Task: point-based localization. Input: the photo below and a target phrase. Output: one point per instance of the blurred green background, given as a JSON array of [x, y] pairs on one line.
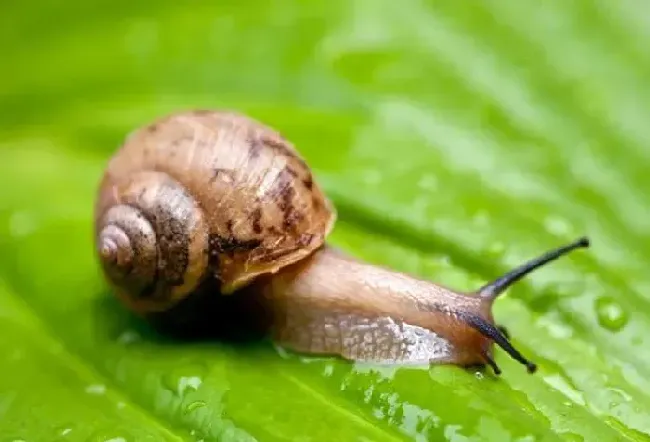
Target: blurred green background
[[457, 139]]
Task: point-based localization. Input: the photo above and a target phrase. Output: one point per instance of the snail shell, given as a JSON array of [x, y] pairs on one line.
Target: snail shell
[[204, 194]]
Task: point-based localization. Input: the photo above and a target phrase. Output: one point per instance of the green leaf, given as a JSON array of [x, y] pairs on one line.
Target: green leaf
[[456, 140]]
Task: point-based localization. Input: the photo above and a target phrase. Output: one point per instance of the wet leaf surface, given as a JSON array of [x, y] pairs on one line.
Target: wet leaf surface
[[456, 142]]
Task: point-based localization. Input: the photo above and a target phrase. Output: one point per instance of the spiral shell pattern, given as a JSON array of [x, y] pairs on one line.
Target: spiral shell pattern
[[152, 241], [204, 194]]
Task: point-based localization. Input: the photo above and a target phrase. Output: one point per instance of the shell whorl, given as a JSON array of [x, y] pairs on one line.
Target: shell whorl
[[152, 240], [204, 193]]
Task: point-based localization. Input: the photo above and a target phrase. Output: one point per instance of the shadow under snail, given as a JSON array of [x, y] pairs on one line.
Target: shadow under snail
[[216, 196]]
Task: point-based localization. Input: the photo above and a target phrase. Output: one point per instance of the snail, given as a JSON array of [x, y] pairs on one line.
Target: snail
[[215, 198]]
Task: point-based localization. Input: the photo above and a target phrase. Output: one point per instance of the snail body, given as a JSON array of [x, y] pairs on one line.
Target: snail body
[[217, 199]]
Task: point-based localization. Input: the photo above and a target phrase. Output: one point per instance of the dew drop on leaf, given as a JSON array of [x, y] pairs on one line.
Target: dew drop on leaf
[[611, 314]]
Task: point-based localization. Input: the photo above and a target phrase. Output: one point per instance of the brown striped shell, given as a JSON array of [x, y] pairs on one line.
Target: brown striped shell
[[204, 194]]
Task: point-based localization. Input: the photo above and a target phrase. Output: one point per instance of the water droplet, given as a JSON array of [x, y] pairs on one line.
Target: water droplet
[[610, 313], [96, 389], [183, 380], [194, 406], [64, 431]]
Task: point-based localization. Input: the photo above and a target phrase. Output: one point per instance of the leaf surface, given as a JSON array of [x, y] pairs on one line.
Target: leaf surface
[[455, 141]]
